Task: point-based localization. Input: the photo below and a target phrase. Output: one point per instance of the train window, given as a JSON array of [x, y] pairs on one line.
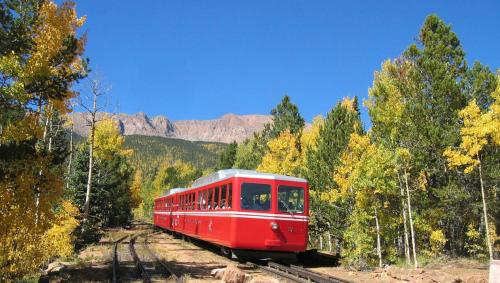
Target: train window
[[290, 199], [203, 202], [200, 198], [255, 196], [192, 201], [223, 197], [216, 198], [229, 196], [210, 204]]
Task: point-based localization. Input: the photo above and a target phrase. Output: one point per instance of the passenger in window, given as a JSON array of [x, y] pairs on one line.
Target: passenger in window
[[266, 205]]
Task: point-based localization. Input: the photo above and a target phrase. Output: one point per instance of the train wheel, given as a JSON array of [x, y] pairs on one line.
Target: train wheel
[[226, 252]]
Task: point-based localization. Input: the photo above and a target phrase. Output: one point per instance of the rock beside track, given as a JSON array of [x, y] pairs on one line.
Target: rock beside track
[[55, 266], [233, 274], [218, 273]]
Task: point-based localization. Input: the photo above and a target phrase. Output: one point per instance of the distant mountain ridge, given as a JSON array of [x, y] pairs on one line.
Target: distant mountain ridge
[[225, 129]]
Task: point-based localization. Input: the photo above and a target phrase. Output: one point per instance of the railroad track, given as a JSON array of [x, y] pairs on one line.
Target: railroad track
[[138, 263], [168, 270], [160, 269], [115, 258], [299, 274]]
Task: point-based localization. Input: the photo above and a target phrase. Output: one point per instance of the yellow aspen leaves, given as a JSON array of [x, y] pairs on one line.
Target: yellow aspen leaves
[[283, 156], [475, 132], [385, 103], [135, 189], [58, 240], [108, 140], [345, 174], [348, 103], [56, 24], [309, 137]]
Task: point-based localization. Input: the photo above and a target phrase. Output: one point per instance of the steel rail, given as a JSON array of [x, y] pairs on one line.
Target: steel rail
[[142, 270], [115, 258], [331, 278], [300, 274], [169, 270]]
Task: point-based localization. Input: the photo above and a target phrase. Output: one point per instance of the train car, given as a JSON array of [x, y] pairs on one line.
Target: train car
[[246, 213]]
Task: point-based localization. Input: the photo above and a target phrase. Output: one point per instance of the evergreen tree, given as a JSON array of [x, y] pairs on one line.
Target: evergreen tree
[[227, 157], [111, 198], [332, 139], [250, 152], [286, 116]]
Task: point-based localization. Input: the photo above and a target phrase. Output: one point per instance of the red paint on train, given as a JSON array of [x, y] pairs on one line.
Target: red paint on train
[[240, 210]]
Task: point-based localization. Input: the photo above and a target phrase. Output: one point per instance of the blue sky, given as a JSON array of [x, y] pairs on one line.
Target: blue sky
[[202, 59]]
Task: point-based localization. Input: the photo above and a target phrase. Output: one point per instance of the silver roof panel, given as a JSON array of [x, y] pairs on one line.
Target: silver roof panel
[[229, 173], [176, 190]]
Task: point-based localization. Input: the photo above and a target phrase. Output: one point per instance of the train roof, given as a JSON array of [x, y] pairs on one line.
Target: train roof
[[176, 190], [230, 173]]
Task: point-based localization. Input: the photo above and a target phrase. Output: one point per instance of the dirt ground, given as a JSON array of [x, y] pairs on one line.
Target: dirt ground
[[196, 261]]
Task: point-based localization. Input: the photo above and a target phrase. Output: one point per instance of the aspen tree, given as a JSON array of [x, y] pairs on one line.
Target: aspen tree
[[478, 130]]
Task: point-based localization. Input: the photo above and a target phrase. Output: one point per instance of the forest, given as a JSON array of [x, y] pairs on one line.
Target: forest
[[421, 182]]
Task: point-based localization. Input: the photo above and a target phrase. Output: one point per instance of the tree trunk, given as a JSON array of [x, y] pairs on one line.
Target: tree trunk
[[320, 242], [406, 240], [329, 241], [50, 134], [411, 221], [379, 248], [485, 212], [70, 155], [89, 180], [91, 159]]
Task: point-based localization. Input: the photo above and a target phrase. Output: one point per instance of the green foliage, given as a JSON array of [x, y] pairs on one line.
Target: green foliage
[[250, 152], [110, 198], [286, 116], [227, 157], [150, 152], [168, 176], [332, 140], [358, 246], [474, 243]]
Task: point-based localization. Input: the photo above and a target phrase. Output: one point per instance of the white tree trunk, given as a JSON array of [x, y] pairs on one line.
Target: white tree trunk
[[320, 242], [379, 248], [70, 161], [50, 134], [89, 179], [91, 159], [411, 222], [406, 240], [485, 212], [329, 241]]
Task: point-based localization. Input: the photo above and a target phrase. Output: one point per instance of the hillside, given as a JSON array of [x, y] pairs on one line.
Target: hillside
[[150, 151]]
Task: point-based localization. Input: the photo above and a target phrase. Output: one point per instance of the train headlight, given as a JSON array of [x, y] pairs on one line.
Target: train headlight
[[274, 226]]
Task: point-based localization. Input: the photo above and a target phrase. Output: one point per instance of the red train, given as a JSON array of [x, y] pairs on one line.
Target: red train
[[246, 213]]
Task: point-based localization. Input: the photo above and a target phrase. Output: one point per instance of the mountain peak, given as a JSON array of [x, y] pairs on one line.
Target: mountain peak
[[226, 129]]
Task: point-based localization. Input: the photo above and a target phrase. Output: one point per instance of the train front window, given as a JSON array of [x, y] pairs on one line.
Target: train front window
[[255, 196], [290, 199]]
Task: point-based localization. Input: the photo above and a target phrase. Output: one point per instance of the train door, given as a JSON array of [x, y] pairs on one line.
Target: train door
[[292, 205]]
